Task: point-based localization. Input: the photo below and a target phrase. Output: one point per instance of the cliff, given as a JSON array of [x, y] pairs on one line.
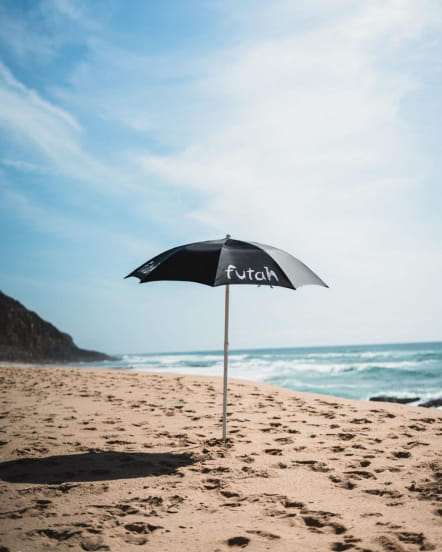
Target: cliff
[[25, 337]]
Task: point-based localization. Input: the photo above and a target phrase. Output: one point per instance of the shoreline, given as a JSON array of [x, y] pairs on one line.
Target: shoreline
[[139, 456], [374, 400]]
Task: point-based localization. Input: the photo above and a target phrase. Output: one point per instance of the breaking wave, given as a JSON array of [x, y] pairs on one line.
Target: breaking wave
[[359, 372]]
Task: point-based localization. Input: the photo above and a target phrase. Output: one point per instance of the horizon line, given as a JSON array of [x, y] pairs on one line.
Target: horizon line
[[199, 351]]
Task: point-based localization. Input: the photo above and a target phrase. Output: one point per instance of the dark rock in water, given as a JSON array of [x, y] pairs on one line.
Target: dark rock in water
[[434, 403], [25, 337], [385, 398]]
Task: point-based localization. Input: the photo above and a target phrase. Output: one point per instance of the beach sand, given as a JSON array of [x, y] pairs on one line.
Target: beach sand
[[126, 461]]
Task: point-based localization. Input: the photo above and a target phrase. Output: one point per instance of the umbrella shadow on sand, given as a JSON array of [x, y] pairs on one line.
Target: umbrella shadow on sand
[[92, 466]]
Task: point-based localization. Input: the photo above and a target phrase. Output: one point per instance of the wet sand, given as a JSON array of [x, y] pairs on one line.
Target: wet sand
[[126, 461]]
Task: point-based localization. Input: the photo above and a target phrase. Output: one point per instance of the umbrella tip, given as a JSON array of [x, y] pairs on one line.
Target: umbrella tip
[[228, 236]]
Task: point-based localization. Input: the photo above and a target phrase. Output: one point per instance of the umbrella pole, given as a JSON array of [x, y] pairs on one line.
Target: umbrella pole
[[226, 360]]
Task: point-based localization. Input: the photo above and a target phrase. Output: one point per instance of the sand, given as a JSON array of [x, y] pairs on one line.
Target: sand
[[126, 461]]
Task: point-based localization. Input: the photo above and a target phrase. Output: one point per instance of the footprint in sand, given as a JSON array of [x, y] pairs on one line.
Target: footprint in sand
[[343, 483], [139, 540], [230, 494], [264, 534], [401, 454], [313, 465], [284, 440], [360, 474], [288, 503], [212, 483], [346, 436], [390, 543], [240, 542], [348, 544], [415, 538], [273, 451], [141, 527], [317, 521], [55, 535]]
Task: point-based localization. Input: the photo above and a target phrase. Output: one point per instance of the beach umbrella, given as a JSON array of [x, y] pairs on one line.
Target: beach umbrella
[[225, 262]]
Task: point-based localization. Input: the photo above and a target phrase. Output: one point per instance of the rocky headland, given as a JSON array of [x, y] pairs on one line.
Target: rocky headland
[[25, 337]]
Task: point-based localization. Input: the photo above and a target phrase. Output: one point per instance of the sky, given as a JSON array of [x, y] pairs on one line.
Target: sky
[[128, 128]]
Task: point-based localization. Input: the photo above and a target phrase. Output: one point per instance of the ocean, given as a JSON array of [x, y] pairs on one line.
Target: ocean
[[406, 370]]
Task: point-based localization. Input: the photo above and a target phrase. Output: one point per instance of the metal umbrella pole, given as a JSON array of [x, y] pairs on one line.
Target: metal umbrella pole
[[226, 360]]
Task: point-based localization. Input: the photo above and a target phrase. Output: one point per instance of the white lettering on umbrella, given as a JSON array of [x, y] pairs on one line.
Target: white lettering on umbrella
[[251, 274], [148, 268]]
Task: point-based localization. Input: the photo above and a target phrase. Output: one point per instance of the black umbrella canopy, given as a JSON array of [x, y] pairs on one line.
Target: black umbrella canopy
[[228, 261]]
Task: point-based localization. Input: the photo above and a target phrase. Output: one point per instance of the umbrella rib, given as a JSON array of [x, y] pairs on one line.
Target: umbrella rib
[[279, 266]]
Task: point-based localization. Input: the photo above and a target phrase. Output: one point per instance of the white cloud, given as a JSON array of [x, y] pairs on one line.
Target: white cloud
[[56, 135], [18, 95], [43, 218], [21, 165], [46, 127], [306, 146], [310, 127], [20, 36], [66, 8]]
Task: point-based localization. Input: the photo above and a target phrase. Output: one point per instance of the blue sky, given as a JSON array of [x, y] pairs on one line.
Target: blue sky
[[314, 126]]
